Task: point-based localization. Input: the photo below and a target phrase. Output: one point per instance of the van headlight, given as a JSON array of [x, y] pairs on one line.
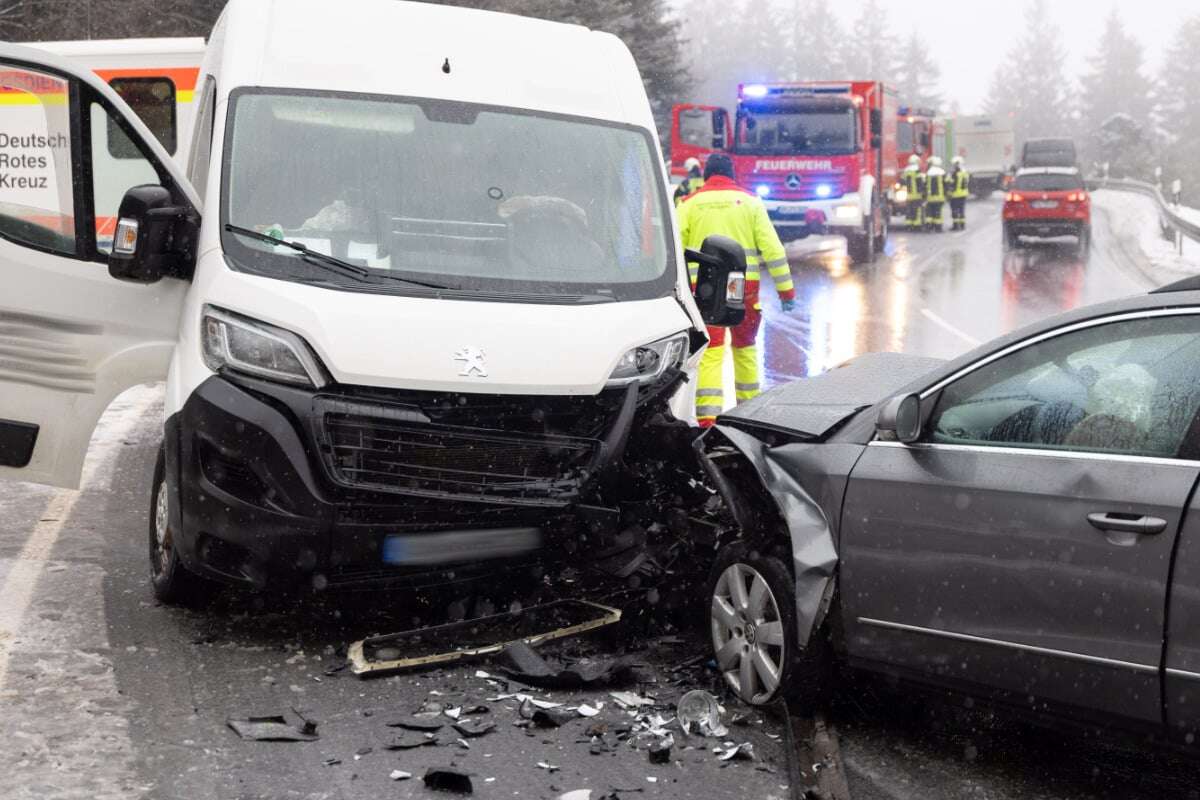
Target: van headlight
[[231, 341], [648, 362]]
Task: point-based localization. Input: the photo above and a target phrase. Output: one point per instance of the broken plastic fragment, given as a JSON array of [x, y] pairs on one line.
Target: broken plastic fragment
[[552, 717], [630, 699], [589, 711], [273, 729], [698, 712], [660, 751], [410, 739], [418, 722], [472, 728], [742, 752], [547, 766], [578, 794], [399, 775]]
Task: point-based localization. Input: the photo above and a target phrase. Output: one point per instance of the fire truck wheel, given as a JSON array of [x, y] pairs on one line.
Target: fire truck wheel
[[861, 246]]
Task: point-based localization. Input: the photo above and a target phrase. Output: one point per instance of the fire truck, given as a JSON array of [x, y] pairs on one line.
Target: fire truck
[[821, 155]]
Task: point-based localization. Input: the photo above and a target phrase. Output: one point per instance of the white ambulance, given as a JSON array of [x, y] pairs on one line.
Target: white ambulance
[[415, 289]]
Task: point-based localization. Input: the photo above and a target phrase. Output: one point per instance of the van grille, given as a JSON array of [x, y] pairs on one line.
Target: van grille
[[379, 449]]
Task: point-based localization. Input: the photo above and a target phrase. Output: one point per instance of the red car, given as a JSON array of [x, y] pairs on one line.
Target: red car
[[1048, 201]]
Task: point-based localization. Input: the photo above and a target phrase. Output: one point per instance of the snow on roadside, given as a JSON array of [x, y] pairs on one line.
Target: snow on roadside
[[1190, 214], [1135, 222]]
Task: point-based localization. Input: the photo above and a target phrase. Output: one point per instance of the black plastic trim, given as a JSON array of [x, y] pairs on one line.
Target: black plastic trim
[[17, 440]]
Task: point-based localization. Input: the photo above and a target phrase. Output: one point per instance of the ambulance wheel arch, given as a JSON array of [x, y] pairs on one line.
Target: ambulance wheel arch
[[72, 338]]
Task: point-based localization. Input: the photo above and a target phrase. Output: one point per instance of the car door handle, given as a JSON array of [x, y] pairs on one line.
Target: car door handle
[[1126, 523]]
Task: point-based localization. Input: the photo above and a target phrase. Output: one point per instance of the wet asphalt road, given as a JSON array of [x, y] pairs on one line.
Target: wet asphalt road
[[103, 693]]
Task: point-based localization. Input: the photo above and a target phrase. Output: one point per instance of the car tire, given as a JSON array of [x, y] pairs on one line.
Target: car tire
[[754, 631], [1011, 240], [1083, 245], [173, 583]]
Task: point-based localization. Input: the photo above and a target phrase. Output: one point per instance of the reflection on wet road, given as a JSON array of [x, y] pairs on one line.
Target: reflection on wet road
[[931, 294]]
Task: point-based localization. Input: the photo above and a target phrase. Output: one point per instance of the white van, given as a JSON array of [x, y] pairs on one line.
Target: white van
[[417, 298]]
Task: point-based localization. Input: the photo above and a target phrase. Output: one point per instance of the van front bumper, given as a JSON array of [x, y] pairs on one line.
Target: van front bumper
[[259, 500]]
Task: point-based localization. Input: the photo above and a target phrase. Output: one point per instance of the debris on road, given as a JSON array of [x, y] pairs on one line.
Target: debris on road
[[578, 794], [472, 728], [529, 666], [448, 779], [660, 750], [411, 739], [547, 766], [552, 717], [631, 699], [698, 712], [399, 775], [419, 722], [447, 644], [741, 752], [274, 729]]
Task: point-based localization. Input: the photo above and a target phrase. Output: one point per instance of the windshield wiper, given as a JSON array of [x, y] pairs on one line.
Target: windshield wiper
[[331, 263]]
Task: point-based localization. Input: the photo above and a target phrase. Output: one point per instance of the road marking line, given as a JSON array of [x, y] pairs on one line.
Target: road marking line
[[16, 592], [966, 337]]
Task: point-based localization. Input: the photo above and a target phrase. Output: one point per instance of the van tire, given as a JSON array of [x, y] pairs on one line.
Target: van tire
[[172, 582]]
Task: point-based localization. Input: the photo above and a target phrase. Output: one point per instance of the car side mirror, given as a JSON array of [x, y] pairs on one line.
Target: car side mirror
[[148, 243], [721, 281], [900, 419]]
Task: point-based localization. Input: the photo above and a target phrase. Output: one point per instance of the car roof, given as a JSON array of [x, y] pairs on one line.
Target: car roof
[[1048, 171]]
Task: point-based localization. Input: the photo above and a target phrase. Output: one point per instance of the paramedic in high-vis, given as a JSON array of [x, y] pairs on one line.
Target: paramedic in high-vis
[[721, 207]]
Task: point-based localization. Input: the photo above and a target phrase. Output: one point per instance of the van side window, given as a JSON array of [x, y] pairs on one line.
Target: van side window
[[153, 99], [197, 166], [113, 175], [37, 201]]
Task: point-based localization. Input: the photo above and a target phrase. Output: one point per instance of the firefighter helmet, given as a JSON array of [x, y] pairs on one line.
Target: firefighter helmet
[[935, 161], [692, 163], [957, 161], [914, 160]]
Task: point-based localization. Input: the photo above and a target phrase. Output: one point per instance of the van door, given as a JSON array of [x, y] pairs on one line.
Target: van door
[[71, 337], [697, 131]]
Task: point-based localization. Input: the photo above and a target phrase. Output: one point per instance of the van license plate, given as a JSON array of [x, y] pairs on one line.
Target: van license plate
[[456, 547]]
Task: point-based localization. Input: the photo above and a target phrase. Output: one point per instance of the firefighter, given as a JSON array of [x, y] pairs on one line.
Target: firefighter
[[722, 207], [935, 194], [692, 182], [914, 184], [958, 187]]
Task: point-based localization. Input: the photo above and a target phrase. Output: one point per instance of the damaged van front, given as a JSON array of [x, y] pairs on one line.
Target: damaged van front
[[429, 306]]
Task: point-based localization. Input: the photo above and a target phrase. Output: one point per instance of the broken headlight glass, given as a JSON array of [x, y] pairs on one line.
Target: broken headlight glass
[[648, 362], [235, 342]]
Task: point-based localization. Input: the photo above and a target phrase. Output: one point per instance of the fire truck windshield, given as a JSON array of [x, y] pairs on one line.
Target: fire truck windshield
[[809, 132]]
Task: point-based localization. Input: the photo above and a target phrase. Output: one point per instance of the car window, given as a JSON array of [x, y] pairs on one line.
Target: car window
[[1129, 387], [112, 176], [1053, 182], [37, 204], [153, 99]]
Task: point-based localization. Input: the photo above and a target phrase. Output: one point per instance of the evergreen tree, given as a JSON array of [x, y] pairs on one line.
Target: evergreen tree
[[1179, 110], [918, 74], [1031, 82], [1116, 102], [760, 51], [871, 52], [814, 42]]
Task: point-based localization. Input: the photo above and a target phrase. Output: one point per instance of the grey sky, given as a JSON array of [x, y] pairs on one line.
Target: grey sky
[[973, 36]]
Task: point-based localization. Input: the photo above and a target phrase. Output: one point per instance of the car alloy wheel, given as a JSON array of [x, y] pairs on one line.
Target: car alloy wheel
[[747, 634], [160, 561]]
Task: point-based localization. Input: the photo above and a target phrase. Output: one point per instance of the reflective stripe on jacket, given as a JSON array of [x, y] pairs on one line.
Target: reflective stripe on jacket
[[722, 208], [914, 182], [935, 185], [960, 184]]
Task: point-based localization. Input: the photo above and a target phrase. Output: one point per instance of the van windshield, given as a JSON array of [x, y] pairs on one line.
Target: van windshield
[[480, 199]]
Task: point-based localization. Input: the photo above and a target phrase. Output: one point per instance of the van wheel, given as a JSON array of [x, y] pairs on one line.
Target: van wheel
[[752, 617], [172, 582]]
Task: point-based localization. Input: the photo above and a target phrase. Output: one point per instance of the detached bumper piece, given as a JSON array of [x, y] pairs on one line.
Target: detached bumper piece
[[448, 644]]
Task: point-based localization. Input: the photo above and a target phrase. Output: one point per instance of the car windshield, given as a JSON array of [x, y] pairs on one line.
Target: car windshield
[[825, 132], [1048, 182], [473, 198]]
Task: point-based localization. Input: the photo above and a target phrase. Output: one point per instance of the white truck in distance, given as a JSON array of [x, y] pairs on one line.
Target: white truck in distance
[[416, 294], [989, 146]]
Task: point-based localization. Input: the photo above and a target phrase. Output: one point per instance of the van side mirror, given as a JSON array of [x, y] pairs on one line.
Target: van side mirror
[[721, 281], [900, 419], [876, 122], [147, 243]]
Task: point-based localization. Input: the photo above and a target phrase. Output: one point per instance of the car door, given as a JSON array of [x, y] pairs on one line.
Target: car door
[[1025, 542], [71, 337]]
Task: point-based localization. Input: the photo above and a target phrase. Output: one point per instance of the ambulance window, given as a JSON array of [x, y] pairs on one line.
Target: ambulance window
[[37, 206], [153, 99], [113, 175]]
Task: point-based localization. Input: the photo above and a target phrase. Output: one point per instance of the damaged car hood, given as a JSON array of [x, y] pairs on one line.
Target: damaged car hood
[[815, 406]]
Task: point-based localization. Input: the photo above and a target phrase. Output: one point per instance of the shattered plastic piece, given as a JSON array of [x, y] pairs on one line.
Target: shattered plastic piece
[[331, 762], [589, 711], [273, 729], [698, 712], [552, 717], [419, 722], [399, 775], [630, 699], [463, 743], [528, 665], [476, 637], [742, 752], [446, 779], [453, 713], [471, 728], [660, 751], [547, 766], [410, 739], [578, 794]]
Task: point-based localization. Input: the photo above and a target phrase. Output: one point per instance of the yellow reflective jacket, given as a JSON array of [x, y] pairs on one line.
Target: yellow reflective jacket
[[935, 185], [723, 208], [689, 186], [914, 182], [960, 184]]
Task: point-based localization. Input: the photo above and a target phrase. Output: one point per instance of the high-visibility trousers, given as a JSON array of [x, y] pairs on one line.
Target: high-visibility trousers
[[710, 383], [933, 213], [915, 213], [958, 212]]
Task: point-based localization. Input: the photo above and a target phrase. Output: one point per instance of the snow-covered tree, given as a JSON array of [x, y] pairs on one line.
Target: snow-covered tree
[[1179, 109], [918, 73], [1116, 101], [871, 52], [814, 41], [1031, 82]]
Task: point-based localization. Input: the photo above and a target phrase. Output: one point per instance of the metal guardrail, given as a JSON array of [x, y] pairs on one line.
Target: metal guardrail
[[1170, 217]]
